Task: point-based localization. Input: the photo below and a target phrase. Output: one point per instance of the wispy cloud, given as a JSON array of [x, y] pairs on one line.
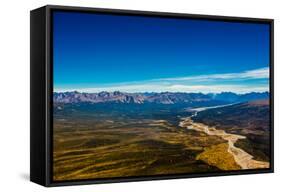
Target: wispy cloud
[[251, 74], [213, 83]]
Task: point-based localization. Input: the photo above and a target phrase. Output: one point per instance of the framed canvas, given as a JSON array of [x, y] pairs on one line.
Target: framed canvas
[[119, 95]]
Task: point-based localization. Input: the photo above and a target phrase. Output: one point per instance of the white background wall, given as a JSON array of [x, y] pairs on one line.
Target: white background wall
[[14, 94]]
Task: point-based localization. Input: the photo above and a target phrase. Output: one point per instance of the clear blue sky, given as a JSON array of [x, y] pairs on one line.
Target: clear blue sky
[[95, 52]]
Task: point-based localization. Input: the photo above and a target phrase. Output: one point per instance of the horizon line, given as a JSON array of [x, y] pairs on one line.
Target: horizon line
[[161, 92]]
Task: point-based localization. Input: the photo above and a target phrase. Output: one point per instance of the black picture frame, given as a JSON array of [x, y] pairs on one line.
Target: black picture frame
[[41, 89]]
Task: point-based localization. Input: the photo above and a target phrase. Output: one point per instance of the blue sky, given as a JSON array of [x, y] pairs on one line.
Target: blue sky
[[95, 52]]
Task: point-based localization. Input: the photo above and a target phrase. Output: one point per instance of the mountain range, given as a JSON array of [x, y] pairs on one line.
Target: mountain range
[[158, 98]]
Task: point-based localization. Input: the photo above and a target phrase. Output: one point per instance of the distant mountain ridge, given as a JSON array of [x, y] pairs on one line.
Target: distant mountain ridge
[[159, 98]]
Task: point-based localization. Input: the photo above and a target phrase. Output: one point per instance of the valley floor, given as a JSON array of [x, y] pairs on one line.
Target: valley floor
[[91, 142]]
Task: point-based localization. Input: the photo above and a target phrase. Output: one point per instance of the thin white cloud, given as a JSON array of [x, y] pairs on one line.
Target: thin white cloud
[[251, 74], [200, 83]]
